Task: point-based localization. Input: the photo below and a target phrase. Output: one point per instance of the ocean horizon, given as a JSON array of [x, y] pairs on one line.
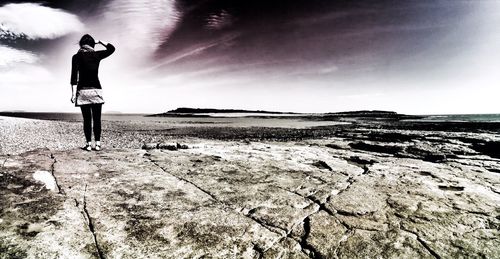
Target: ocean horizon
[[118, 116]]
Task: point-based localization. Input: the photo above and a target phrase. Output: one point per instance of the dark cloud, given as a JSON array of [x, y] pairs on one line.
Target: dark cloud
[[290, 35], [297, 35]]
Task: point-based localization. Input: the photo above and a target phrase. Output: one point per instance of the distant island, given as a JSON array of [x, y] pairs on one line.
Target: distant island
[[205, 112], [364, 113], [211, 112]]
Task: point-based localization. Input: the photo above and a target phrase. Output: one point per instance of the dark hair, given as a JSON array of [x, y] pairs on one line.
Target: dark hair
[[87, 40]]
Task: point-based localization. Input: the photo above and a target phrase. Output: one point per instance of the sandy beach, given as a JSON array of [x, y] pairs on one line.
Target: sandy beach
[[366, 188]]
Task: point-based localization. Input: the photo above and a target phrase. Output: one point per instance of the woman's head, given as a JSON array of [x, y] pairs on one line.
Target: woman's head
[[87, 40]]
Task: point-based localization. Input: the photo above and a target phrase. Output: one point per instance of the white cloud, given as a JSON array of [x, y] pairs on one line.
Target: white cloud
[[138, 24], [35, 21], [25, 74], [11, 56], [20, 66]]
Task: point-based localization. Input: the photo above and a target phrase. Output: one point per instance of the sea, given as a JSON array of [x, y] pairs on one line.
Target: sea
[[463, 117], [205, 120], [227, 117]]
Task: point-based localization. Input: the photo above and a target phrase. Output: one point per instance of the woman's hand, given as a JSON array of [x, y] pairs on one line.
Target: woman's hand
[[101, 42], [73, 98]]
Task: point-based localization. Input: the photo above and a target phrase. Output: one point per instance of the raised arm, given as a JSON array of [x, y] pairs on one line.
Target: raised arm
[[107, 52]]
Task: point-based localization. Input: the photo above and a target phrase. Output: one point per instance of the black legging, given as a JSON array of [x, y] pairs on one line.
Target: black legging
[[92, 112]]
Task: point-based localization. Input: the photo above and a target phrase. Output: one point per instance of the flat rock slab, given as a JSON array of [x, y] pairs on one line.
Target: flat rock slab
[[247, 200]]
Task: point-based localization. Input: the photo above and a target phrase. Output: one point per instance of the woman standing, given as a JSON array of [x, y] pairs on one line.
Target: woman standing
[[86, 88]]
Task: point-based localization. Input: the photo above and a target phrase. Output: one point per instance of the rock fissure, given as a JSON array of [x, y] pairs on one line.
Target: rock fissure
[[52, 170], [476, 229], [185, 180], [349, 182], [321, 205], [264, 224], [313, 252], [312, 199], [428, 248], [353, 214], [493, 190], [289, 232], [259, 251], [344, 173], [90, 224], [482, 213], [422, 242], [348, 227]]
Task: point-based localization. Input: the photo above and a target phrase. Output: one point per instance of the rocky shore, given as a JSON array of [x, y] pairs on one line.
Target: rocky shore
[[376, 189]]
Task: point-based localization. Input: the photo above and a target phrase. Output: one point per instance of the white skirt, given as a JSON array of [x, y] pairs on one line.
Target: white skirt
[[89, 96]]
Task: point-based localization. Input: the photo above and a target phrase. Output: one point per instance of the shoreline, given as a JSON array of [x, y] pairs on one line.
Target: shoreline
[[18, 135]]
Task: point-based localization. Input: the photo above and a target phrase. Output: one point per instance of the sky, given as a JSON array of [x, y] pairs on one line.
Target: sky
[[413, 57]]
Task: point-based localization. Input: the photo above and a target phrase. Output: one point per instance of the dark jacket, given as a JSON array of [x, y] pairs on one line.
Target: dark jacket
[[85, 67]]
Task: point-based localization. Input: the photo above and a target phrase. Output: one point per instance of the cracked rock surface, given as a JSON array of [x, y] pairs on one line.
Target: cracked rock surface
[[318, 198]]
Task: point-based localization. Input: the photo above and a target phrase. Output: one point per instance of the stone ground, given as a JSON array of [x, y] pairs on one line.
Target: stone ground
[[318, 198]]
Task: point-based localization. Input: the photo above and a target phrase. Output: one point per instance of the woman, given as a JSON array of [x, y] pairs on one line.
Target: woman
[[86, 88]]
